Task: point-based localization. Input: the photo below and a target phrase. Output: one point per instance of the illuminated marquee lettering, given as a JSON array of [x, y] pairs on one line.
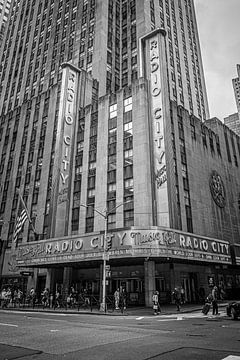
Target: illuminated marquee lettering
[[158, 241]]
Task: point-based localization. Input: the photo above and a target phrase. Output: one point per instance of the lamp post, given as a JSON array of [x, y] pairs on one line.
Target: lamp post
[[105, 215]]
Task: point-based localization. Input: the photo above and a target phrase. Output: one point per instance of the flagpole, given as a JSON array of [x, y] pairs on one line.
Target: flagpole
[[15, 221], [29, 218]]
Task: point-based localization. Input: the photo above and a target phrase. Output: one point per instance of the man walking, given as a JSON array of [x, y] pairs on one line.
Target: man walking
[[177, 298], [215, 300]]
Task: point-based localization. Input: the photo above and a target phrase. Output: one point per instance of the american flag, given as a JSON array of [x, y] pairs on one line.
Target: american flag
[[21, 218]]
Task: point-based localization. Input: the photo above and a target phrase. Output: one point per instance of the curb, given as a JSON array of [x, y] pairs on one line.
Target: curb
[[135, 312]]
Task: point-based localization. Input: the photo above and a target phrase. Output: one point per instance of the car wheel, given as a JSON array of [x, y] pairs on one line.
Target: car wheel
[[233, 314]]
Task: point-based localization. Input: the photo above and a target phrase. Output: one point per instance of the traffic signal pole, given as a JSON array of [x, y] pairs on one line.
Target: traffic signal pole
[[105, 215], [103, 304]]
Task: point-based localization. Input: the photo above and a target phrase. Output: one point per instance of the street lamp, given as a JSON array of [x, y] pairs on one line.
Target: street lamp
[[105, 215]]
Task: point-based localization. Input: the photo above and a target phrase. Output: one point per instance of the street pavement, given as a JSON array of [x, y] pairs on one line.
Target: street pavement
[[136, 334]]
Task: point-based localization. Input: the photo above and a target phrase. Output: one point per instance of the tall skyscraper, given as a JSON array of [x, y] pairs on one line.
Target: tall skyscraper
[[233, 120], [4, 11], [102, 118], [102, 42], [236, 88]]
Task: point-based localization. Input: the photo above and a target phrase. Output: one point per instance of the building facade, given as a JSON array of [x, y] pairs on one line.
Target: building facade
[[4, 12], [102, 113], [236, 87], [233, 122]]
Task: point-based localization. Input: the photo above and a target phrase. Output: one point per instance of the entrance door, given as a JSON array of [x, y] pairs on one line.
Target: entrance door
[[41, 283], [133, 287], [186, 287], [189, 284]]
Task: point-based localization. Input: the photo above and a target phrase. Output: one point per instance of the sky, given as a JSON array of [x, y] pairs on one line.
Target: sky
[[219, 32]]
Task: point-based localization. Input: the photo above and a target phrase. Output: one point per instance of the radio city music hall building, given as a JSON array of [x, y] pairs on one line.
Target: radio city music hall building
[[142, 148]]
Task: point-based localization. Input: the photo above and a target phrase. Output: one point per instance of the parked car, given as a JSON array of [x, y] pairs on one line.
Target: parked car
[[233, 309]]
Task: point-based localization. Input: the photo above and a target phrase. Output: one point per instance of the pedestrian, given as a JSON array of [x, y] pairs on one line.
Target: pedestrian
[[116, 298], [45, 298], [4, 298], [182, 292], [155, 300], [32, 297], [123, 299], [15, 297], [51, 300], [177, 298], [215, 300], [57, 299], [20, 297], [8, 296]]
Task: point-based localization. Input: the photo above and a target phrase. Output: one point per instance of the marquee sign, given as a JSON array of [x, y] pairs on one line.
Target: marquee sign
[[159, 155], [132, 243], [64, 147]]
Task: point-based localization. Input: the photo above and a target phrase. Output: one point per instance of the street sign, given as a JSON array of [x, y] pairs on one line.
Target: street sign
[[106, 256], [26, 273]]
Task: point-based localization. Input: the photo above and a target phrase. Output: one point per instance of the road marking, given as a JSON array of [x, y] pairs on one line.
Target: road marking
[[37, 312], [8, 325], [54, 330], [140, 318]]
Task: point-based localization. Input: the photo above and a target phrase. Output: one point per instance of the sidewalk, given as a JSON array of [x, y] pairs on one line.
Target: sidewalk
[[168, 309]]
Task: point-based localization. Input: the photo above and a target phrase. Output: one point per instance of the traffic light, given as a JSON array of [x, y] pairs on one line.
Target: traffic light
[[108, 243]]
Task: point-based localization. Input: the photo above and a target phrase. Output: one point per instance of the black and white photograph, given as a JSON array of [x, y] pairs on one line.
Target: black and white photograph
[[119, 180]]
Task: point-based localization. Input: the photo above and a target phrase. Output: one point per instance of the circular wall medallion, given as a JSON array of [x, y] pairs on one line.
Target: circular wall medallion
[[217, 189]]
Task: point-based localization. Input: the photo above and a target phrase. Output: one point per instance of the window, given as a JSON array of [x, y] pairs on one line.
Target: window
[[128, 187], [75, 219], [128, 157], [91, 193], [128, 129], [111, 187], [128, 218], [128, 172], [113, 111], [111, 221], [127, 104]]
